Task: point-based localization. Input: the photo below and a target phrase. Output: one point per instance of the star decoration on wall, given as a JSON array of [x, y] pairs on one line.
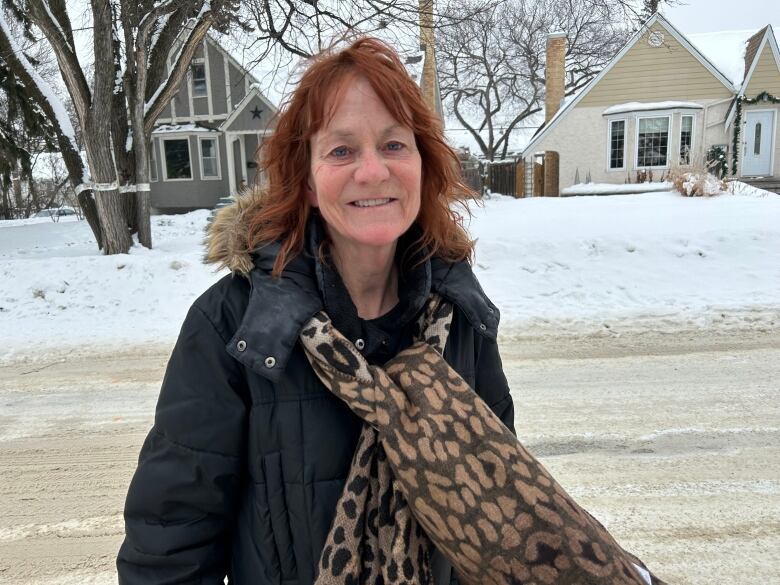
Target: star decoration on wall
[[256, 113]]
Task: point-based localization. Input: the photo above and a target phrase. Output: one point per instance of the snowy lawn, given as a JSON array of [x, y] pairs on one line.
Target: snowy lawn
[[568, 266], [631, 262]]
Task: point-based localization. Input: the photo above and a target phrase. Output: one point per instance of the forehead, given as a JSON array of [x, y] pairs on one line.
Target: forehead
[[355, 105]]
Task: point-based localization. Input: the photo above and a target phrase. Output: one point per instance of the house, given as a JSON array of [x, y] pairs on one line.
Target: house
[[204, 143], [661, 103]]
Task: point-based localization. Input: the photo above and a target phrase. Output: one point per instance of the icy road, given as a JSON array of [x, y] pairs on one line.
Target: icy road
[[672, 441]]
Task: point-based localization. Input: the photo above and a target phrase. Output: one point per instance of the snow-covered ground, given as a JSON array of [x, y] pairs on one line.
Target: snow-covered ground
[[568, 266], [632, 262]]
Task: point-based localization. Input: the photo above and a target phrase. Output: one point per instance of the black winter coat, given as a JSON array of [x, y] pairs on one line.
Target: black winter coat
[[249, 452]]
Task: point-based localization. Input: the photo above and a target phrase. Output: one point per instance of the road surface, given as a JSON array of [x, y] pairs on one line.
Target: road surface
[[673, 442]]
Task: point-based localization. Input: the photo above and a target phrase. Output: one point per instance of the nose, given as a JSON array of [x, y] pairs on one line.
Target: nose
[[372, 168]]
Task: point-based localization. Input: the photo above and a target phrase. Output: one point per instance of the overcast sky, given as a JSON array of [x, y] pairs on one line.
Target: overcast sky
[[692, 16]]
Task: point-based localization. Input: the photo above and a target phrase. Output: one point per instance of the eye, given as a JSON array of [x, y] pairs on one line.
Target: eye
[[394, 146], [339, 152]]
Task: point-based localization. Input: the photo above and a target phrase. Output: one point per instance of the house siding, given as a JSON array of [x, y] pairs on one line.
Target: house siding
[[168, 196], [568, 137], [646, 74], [181, 102], [237, 84], [217, 76], [245, 120], [766, 75]]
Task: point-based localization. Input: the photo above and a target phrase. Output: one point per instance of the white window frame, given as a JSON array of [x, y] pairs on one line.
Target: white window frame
[[165, 162], [693, 139], [203, 177], [153, 171], [199, 61], [668, 142], [609, 143]]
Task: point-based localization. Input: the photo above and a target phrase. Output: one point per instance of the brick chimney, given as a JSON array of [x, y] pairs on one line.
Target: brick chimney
[[426, 24], [429, 82], [554, 74]]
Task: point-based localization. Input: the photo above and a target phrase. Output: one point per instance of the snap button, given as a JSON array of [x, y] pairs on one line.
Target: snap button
[[270, 361], [491, 311], [360, 344], [482, 326], [241, 345]]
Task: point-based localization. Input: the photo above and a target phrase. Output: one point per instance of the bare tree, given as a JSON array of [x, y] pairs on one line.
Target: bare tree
[[303, 28], [25, 132], [491, 67], [117, 98]]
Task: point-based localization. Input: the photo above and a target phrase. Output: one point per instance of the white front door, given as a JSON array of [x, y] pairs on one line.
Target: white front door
[[759, 142]]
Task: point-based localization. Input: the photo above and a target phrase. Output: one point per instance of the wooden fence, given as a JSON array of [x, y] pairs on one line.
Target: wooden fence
[[507, 177]]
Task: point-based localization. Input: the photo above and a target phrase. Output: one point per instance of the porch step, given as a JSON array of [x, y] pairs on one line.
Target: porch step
[[768, 184]]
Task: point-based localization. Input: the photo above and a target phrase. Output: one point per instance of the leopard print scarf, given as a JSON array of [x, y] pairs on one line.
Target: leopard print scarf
[[434, 463]]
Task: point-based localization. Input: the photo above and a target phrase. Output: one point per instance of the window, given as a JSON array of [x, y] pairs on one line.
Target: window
[[177, 159], [152, 161], [686, 139], [757, 142], [617, 144], [652, 142], [199, 86], [209, 159]]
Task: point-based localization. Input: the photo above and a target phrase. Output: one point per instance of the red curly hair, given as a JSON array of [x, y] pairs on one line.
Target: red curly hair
[[285, 156]]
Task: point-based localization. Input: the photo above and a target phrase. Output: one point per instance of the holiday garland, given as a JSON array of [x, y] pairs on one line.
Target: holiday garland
[[764, 96]]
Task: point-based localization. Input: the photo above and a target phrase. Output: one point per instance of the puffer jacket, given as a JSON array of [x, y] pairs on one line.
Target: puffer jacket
[[249, 452]]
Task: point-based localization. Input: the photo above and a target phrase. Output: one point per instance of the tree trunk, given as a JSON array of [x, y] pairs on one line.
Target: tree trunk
[[5, 210], [97, 132], [110, 211]]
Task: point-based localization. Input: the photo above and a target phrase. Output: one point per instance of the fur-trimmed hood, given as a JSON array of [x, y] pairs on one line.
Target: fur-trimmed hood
[[227, 238]]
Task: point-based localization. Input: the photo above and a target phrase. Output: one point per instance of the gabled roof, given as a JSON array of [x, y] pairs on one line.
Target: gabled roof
[[751, 50], [254, 91], [656, 18], [210, 36], [766, 39]]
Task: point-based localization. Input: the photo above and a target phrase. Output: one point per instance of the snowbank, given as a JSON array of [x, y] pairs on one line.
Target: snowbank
[[58, 292], [655, 261], [615, 188], [554, 266]]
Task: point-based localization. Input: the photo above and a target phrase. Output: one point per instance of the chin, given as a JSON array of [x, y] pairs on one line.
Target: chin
[[378, 236]]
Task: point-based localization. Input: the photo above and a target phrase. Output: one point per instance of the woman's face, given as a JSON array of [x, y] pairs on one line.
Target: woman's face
[[365, 172]]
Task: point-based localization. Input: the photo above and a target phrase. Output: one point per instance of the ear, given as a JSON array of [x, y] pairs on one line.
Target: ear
[[311, 195]]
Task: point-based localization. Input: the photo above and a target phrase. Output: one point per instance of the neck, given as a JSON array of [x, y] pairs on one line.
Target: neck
[[370, 276]]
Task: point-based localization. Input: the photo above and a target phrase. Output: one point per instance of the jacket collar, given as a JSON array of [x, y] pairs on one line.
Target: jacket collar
[[278, 308]]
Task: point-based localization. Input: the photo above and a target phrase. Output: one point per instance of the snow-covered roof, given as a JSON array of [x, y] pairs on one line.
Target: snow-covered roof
[[645, 106], [726, 49], [181, 128]]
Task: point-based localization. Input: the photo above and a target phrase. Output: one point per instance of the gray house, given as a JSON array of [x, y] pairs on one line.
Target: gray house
[[203, 147]]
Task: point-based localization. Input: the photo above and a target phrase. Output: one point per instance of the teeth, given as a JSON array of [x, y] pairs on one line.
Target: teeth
[[371, 202]]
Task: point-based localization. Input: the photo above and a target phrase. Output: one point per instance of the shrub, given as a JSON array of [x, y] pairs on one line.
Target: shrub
[[716, 161], [696, 182]]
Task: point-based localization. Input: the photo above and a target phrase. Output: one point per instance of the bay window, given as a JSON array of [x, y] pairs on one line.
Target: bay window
[[652, 142]]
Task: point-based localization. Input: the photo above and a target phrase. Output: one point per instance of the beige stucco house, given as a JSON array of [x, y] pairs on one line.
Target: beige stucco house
[[660, 104]]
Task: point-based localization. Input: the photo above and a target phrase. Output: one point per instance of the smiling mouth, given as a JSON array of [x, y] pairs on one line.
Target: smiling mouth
[[372, 202]]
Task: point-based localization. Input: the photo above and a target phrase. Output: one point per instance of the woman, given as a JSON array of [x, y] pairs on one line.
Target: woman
[[308, 423], [249, 452]]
